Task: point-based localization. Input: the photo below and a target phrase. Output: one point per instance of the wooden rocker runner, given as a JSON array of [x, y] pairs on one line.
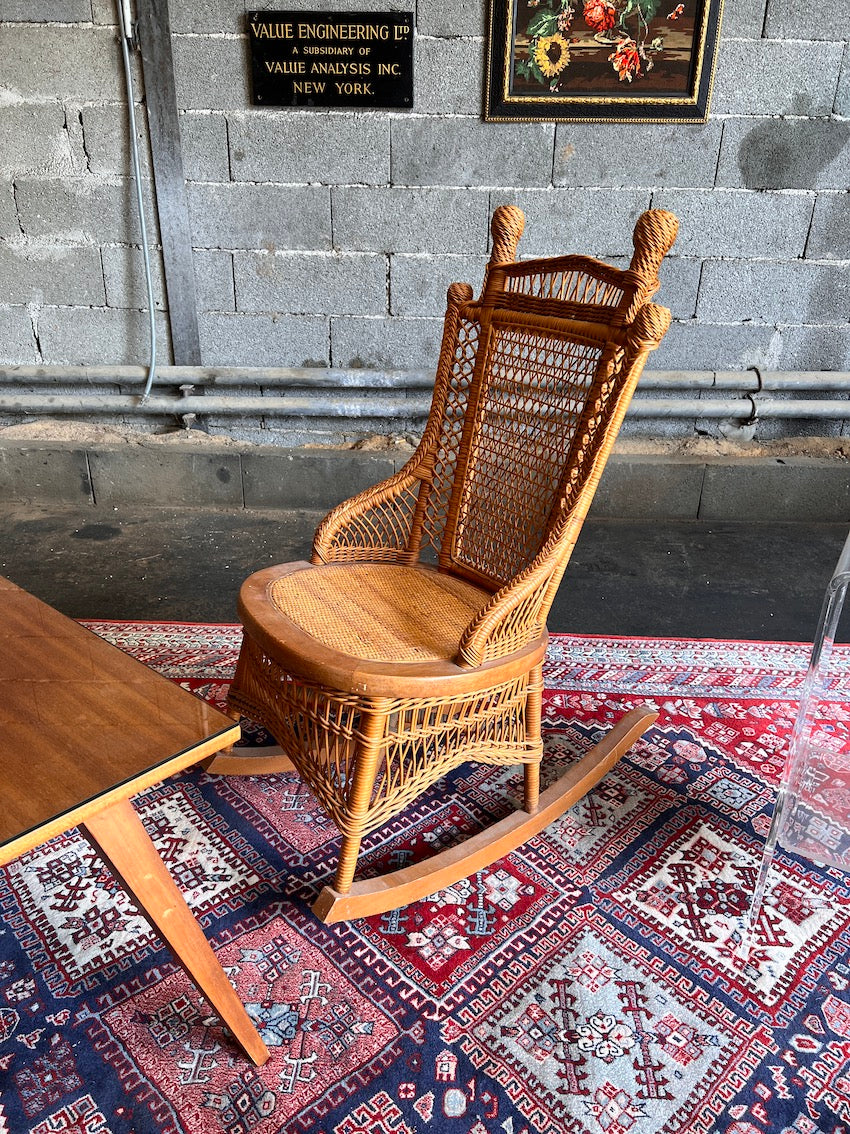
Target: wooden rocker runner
[[414, 640]]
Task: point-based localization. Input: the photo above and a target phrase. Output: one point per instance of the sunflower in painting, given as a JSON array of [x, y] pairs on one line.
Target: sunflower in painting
[[552, 54]]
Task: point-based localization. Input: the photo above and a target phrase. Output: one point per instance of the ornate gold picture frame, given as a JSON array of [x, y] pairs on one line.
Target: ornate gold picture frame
[[608, 60]]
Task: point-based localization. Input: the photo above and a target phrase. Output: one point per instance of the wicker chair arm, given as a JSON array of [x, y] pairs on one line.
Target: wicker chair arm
[[379, 524], [516, 615]]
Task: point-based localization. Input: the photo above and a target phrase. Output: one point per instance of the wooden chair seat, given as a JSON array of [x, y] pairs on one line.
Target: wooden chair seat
[[379, 612], [377, 674]]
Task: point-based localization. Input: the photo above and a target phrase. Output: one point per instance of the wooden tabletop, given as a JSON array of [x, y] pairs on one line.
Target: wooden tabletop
[[83, 725]]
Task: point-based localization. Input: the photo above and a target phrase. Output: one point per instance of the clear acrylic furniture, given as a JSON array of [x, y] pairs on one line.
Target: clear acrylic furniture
[[812, 812]]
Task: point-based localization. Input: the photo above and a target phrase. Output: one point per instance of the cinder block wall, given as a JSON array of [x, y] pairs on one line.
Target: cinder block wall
[[328, 237]]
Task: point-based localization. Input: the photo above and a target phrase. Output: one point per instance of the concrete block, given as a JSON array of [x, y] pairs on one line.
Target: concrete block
[[776, 77], [816, 348], [623, 156], [44, 473], [103, 12], [17, 343], [679, 285], [81, 63], [260, 216], [410, 220], [316, 481], [738, 223], [310, 146], [107, 141], [743, 21], [206, 16], [842, 95], [418, 284], [185, 477], [50, 273], [777, 428], [595, 223], [93, 336], [709, 346], [792, 153], [84, 209], [448, 76], [403, 344], [263, 340], [458, 151], [829, 238], [807, 19], [214, 280], [447, 18], [646, 488], [46, 11], [212, 73], [793, 488], [124, 273], [768, 292], [204, 143], [9, 225], [319, 283], [35, 141]]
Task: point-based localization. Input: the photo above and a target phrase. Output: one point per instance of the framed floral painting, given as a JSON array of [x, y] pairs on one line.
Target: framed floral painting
[[609, 60]]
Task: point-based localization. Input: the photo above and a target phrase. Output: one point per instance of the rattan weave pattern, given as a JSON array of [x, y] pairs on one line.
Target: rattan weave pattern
[[447, 446], [578, 279], [380, 531], [527, 420], [381, 612], [424, 738]]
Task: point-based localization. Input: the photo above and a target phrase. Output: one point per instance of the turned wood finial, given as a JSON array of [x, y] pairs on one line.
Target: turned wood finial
[[653, 238], [508, 223]]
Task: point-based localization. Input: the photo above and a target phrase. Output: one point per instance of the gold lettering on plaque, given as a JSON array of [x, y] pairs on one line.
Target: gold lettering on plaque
[[285, 67], [308, 88], [272, 31], [343, 31], [389, 69], [354, 88], [318, 68]]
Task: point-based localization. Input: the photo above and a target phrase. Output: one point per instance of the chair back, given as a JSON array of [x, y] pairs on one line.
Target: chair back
[[533, 381]]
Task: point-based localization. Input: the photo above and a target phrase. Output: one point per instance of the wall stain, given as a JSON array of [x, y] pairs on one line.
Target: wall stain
[[789, 153]]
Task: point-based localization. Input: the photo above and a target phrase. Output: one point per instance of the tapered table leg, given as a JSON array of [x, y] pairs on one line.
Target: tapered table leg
[[121, 840]]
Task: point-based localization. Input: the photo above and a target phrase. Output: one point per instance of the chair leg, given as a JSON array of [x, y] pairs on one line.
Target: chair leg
[[372, 724], [533, 734]]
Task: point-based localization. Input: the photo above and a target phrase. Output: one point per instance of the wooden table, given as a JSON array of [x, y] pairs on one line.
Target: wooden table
[[83, 727]]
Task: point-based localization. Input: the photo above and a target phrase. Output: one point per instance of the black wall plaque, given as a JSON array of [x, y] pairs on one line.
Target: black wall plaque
[[332, 58]]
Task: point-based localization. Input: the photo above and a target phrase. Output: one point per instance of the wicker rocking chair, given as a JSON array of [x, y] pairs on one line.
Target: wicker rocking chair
[[376, 672]]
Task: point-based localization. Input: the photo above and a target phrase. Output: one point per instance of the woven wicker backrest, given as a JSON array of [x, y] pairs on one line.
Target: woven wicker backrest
[[532, 376]]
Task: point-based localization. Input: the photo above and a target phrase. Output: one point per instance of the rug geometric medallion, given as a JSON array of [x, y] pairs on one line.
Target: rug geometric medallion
[[589, 983]]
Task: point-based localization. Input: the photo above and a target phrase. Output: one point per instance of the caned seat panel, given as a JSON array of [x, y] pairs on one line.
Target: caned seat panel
[[380, 612]]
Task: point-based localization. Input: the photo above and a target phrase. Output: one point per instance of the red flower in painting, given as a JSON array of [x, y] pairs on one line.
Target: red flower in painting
[[626, 60], [600, 15]]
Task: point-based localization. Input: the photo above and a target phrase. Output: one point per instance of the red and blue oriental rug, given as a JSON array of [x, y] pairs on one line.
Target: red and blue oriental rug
[[590, 983]]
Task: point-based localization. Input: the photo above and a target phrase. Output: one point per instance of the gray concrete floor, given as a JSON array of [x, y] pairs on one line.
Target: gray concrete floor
[[689, 579]]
